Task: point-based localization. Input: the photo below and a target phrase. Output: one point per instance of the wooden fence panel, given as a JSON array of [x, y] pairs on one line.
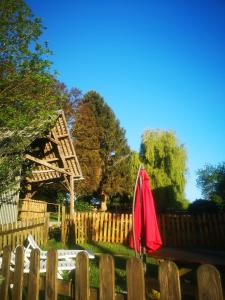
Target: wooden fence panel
[[31, 209], [16, 233], [184, 230], [208, 279]]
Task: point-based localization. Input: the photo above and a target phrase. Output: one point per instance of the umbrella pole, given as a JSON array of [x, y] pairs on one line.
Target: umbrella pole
[[133, 206]]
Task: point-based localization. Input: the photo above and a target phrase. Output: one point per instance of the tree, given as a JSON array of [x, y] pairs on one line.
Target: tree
[[27, 87], [165, 161], [101, 148], [211, 180], [202, 205], [29, 93]]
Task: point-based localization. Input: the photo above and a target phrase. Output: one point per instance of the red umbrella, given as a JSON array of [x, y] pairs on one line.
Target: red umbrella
[[146, 235]]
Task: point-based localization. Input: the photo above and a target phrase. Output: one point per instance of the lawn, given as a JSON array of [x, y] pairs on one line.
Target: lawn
[[120, 253]]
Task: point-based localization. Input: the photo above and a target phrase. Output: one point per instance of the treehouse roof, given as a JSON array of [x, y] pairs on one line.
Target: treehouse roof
[[51, 151], [54, 155]]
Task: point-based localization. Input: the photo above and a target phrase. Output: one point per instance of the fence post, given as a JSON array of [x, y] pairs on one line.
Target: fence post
[[5, 272], [82, 289], [135, 279], [106, 277], [46, 227], [63, 238], [209, 283], [169, 281], [33, 281], [51, 275], [18, 274], [59, 213]]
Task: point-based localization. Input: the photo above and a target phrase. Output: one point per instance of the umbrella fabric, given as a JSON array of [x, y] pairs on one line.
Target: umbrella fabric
[[146, 229]]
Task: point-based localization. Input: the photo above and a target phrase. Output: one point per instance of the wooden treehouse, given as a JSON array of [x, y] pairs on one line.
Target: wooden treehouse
[[54, 162]]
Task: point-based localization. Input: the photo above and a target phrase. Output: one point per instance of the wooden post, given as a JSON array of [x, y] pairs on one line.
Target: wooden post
[[28, 191], [5, 273], [81, 287], [33, 279], [63, 238], [209, 283], [18, 274], [71, 196], [135, 279], [46, 227], [51, 275], [106, 277], [169, 281], [59, 213]]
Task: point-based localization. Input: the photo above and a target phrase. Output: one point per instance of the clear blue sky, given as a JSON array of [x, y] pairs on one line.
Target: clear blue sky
[[158, 64]]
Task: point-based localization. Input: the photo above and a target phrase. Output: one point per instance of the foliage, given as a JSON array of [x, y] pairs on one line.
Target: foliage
[[101, 147], [211, 180], [165, 161], [134, 164], [29, 93], [201, 205], [82, 206]]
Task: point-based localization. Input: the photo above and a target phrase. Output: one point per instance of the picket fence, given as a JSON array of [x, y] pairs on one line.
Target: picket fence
[[29, 285], [177, 230], [31, 209], [16, 233]]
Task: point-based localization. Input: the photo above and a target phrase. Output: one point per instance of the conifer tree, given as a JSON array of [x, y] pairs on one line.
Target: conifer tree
[[101, 148]]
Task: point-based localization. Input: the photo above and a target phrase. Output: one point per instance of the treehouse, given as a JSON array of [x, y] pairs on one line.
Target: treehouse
[[54, 162]]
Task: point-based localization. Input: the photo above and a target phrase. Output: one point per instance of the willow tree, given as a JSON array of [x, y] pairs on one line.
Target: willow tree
[[165, 160], [101, 148]]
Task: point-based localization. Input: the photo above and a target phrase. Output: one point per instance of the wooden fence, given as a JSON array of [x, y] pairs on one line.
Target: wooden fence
[[29, 285], [205, 230], [31, 209], [16, 233]]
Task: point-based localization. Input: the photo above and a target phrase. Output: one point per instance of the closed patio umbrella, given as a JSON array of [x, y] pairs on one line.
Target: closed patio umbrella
[[146, 236]]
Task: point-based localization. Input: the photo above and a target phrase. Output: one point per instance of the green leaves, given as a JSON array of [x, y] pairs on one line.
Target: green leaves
[[211, 179], [165, 161], [29, 93]]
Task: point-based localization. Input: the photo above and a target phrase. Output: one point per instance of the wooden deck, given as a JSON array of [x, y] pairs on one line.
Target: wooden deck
[[198, 256]]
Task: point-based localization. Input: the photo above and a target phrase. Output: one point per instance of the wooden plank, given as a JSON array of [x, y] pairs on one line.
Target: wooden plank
[[121, 235], [51, 275], [169, 281], [126, 229], [33, 283], [209, 283], [102, 215], [44, 163], [106, 277], [105, 223], [5, 272], [82, 289], [18, 274], [97, 222], [63, 225], [135, 279], [113, 227]]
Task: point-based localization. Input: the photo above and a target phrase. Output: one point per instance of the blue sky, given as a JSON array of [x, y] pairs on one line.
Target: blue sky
[[158, 64]]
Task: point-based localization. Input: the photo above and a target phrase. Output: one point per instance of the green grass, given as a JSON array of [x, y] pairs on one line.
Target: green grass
[[120, 253]]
